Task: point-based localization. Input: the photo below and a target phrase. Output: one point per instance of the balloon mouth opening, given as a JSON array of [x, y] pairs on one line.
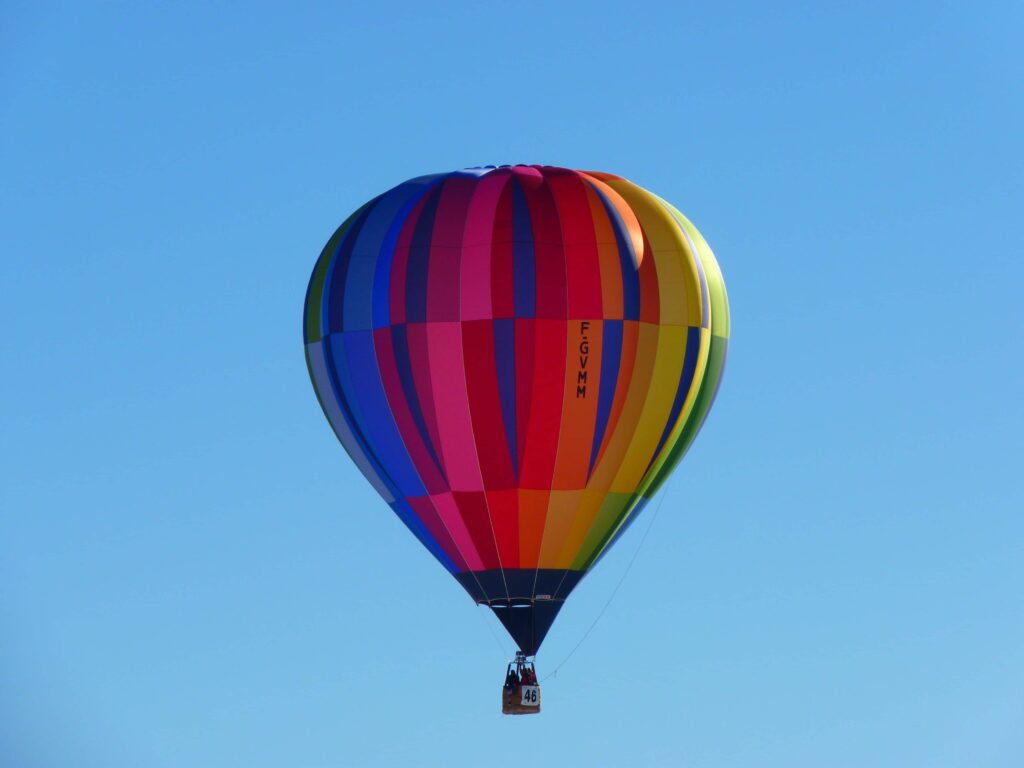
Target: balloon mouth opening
[[517, 602]]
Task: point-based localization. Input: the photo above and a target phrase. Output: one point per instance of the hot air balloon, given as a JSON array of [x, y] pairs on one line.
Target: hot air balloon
[[516, 358]]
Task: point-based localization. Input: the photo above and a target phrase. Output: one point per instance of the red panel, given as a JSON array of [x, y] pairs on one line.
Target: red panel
[[504, 506], [485, 405], [552, 295], [541, 443], [443, 279], [583, 272], [473, 510]]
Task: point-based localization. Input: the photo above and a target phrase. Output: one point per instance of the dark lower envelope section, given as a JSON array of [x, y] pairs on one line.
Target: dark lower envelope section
[[525, 600]]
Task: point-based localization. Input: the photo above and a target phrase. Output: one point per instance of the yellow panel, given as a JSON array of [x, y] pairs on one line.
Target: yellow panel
[[646, 353], [720, 320], [684, 414], [657, 406], [589, 505], [665, 235]]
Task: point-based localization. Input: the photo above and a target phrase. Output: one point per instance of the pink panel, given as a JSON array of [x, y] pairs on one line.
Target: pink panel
[[451, 406], [448, 511], [476, 256]]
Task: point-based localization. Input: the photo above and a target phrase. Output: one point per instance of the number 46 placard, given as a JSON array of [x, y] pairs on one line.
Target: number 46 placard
[[531, 696]]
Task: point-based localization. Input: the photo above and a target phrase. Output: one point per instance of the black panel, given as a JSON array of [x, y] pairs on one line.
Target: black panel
[[528, 623], [525, 600]]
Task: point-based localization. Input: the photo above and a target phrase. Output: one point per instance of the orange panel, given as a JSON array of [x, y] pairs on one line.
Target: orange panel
[[533, 513], [579, 404], [562, 511]]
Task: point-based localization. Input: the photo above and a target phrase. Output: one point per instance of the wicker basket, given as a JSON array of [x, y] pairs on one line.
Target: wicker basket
[[520, 700]]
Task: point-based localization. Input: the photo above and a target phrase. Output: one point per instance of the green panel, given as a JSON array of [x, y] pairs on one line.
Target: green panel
[[608, 524], [615, 507]]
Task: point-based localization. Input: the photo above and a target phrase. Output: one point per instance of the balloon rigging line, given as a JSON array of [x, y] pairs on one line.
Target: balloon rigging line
[[501, 645], [615, 591]]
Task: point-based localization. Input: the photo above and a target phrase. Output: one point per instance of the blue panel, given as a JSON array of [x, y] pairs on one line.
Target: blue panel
[[359, 294], [611, 359], [358, 301], [378, 424], [412, 522], [336, 360], [505, 360], [341, 419], [382, 275], [524, 269]]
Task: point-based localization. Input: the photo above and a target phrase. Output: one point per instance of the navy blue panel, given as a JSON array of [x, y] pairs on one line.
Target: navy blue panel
[[419, 261], [505, 360], [527, 620], [524, 266], [523, 583], [611, 359], [549, 582], [337, 274], [528, 624]]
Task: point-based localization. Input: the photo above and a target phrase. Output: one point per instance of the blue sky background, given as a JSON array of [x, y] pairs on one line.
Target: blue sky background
[[193, 574]]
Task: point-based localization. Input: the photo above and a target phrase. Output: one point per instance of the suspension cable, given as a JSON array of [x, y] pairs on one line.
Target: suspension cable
[[497, 640], [615, 591]]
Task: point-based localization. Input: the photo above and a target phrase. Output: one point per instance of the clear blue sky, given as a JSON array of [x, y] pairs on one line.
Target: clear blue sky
[[192, 573]]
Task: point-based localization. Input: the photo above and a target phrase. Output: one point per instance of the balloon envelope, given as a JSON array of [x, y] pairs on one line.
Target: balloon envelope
[[516, 358]]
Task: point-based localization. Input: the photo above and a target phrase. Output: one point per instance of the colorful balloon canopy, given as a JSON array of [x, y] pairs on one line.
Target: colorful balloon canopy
[[516, 358]]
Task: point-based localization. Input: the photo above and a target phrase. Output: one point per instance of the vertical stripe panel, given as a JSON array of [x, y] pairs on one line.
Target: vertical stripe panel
[[475, 295], [455, 426]]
